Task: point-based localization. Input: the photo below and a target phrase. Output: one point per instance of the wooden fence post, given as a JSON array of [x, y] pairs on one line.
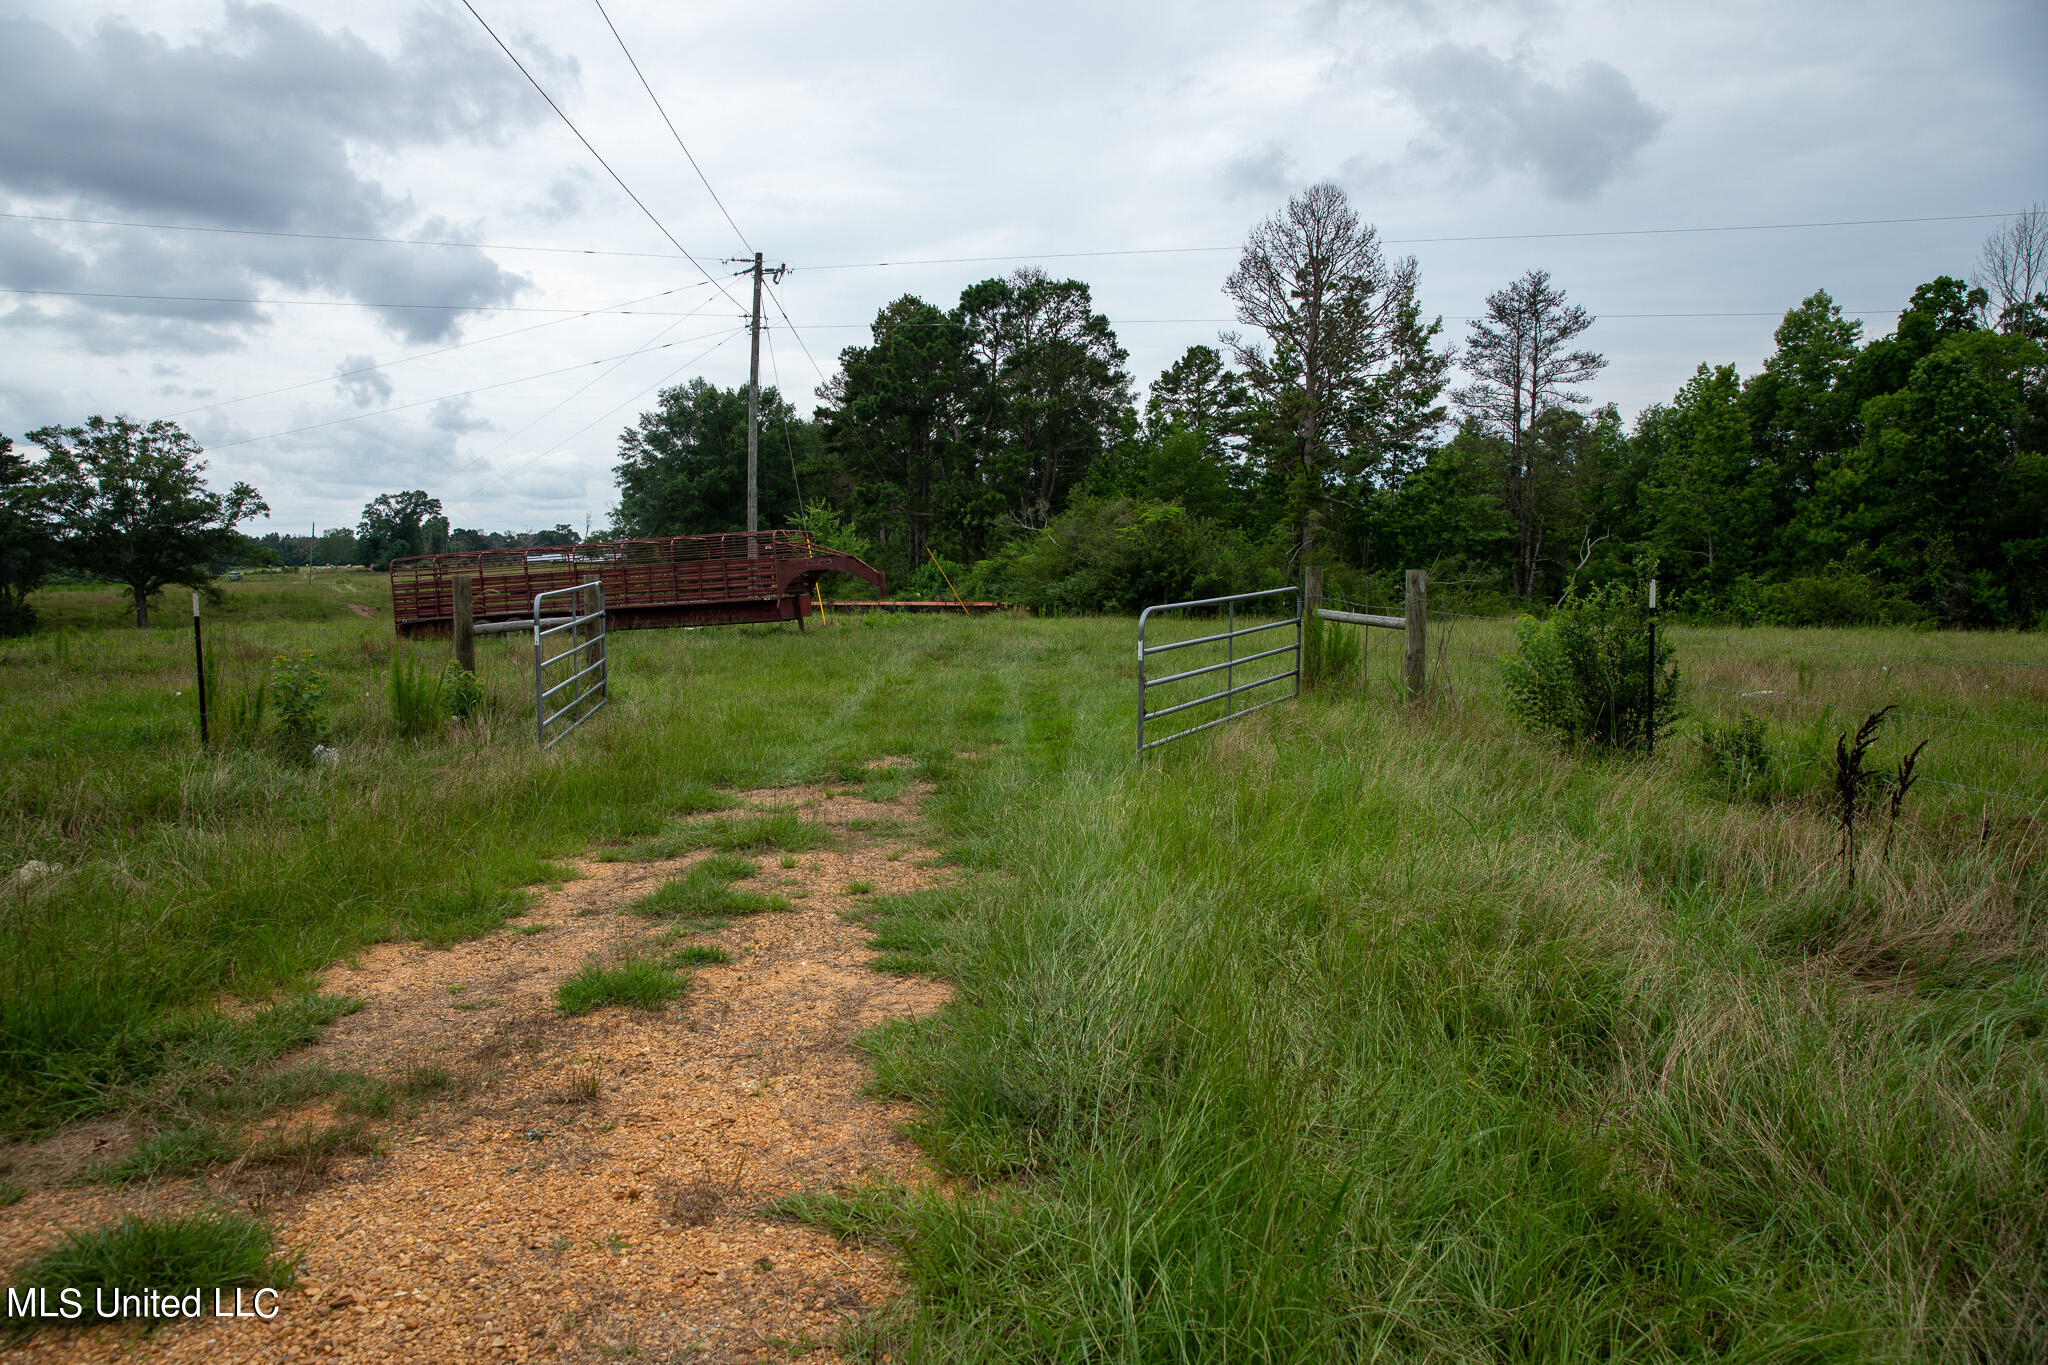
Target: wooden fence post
[[1416, 657], [1311, 660], [465, 625]]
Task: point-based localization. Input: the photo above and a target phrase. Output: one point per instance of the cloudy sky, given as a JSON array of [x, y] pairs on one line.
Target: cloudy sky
[[838, 136]]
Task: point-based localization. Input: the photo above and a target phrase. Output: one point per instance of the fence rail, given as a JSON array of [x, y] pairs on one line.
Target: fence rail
[[583, 675], [1228, 637]]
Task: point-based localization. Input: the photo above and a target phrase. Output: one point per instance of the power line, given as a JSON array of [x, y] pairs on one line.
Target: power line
[[561, 403], [798, 335], [735, 334], [331, 303], [594, 152], [337, 236], [1418, 241], [424, 402], [1138, 322], [423, 355], [776, 370], [671, 125], [966, 260]]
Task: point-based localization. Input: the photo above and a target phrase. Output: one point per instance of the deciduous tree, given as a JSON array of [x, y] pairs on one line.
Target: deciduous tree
[[135, 507], [29, 547]]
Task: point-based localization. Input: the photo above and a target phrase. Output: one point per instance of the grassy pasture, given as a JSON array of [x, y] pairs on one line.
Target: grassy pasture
[[1347, 1030], [1981, 699]]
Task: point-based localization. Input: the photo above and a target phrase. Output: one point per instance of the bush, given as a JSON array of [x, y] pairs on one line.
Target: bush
[[298, 691], [1583, 672], [1739, 761], [835, 532], [461, 694], [1121, 554], [1837, 596]]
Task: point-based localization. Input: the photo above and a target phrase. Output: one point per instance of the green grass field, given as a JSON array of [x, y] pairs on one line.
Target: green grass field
[[1346, 1030]]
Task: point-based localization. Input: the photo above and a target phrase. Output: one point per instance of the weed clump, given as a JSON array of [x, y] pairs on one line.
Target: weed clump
[[173, 1152], [705, 893], [640, 982], [1739, 762]]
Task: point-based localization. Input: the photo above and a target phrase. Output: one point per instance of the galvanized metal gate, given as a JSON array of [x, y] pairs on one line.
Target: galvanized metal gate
[[1232, 660], [578, 671]]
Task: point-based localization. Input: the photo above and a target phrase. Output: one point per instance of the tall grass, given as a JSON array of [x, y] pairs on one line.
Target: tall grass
[[1349, 1033], [189, 875], [1347, 1030], [416, 708]]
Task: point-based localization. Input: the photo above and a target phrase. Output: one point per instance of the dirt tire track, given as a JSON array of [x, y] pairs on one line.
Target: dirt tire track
[[525, 1219]]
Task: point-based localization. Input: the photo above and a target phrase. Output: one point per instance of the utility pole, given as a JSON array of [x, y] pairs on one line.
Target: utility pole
[[754, 416]]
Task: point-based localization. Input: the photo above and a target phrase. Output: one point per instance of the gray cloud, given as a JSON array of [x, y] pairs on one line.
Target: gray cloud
[[1258, 172], [564, 198], [1495, 115], [1433, 15], [366, 389], [458, 417], [254, 125]]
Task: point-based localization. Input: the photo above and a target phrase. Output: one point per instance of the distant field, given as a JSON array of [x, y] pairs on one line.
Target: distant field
[[1350, 1030], [1981, 699]]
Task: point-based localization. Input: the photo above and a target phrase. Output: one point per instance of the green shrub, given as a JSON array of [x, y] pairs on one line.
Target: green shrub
[[1738, 760], [298, 693], [1123, 554], [461, 694], [834, 532], [1836, 596], [1584, 672]]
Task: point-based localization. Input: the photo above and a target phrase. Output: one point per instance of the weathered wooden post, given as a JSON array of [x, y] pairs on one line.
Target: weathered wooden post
[[465, 626], [1416, 656], [1311, 660]]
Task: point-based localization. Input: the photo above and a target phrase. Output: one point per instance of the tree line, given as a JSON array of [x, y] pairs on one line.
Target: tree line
[[1897, 478], [1000, 442], [125, 502]]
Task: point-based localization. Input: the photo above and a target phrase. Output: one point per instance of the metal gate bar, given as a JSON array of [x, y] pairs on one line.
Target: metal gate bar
[[1232, 659], [585, 603]]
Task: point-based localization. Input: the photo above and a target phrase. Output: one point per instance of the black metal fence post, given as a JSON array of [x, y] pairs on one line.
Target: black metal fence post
[[1650, 672], [199, 664]]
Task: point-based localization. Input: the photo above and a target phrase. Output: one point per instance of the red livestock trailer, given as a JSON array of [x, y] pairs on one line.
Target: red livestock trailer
[[675, 581]]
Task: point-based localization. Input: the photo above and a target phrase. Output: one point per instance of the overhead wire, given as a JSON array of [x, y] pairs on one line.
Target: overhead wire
[[499, 478], [701, 177], [966, 260], [1420, 241], [424, 355], [594, 152], [337, 236], [476, 460], [777, 298], [314, 303], [424, 402], [776, 370]]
